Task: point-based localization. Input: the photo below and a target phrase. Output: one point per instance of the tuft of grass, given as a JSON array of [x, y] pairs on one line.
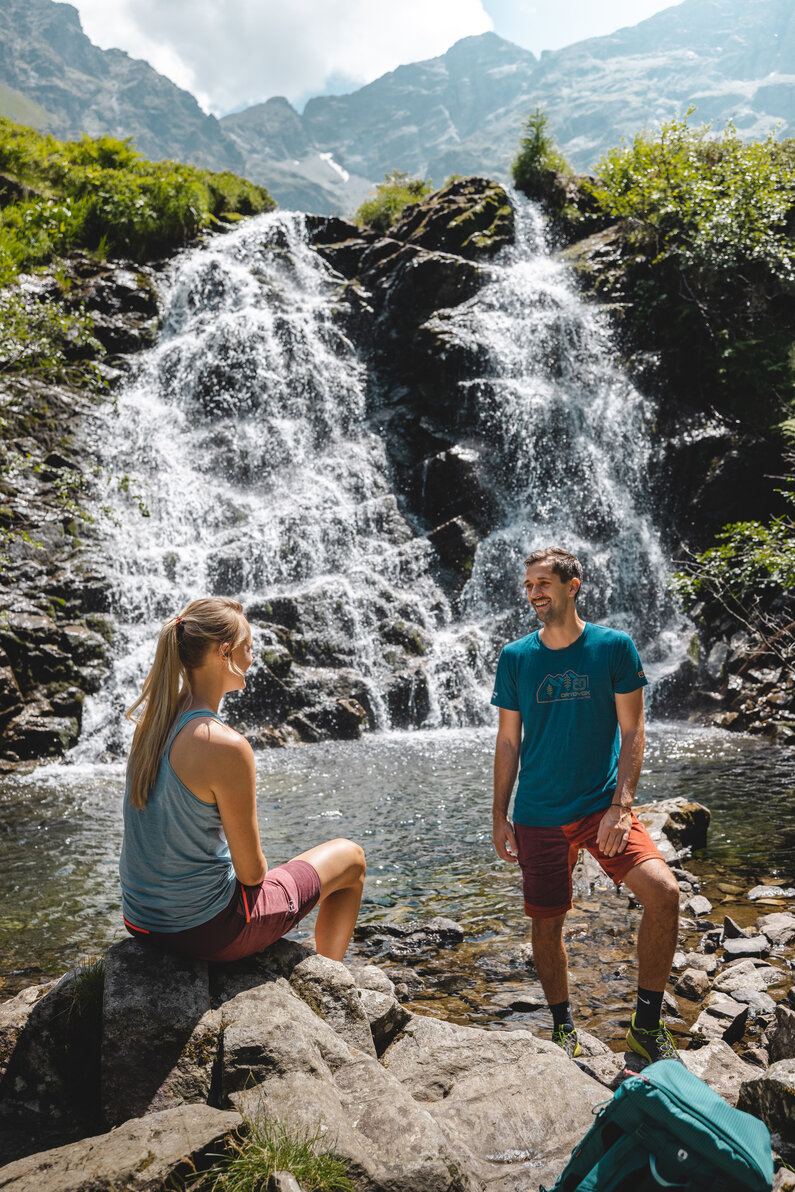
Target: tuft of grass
[[85, 992], [266, 1147]]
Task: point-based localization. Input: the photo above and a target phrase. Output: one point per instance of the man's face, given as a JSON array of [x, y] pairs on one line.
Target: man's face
[[549, 595]]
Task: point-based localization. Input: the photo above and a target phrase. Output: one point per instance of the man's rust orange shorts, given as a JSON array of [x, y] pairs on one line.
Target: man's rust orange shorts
[[547, 857]]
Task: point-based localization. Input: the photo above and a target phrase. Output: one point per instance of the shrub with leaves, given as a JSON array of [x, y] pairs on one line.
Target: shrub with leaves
[[707, 224], [100, 194], [42, 339], [537, 154], [385, 206]]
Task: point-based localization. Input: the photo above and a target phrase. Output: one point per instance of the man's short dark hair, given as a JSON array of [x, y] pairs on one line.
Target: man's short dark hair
[[565, 565]]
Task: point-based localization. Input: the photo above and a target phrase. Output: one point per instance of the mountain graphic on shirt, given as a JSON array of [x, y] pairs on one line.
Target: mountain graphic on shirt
[[569, 685]]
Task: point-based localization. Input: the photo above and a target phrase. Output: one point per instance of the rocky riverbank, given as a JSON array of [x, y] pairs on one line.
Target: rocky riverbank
[[338, 1051]]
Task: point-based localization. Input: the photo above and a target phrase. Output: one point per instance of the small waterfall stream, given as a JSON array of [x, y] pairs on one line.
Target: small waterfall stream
[[246, 432]]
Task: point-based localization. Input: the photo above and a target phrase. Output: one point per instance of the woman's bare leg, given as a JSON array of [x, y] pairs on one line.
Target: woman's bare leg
[[341, 866]]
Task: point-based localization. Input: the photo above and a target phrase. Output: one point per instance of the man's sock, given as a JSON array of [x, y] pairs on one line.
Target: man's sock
[[561, 1015], [649, 1009]]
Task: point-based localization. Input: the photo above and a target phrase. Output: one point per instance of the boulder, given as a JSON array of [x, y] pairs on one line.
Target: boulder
[[719, 1067], [676, 823], [771, 1097], [329, 989], [411, 938], [143, 1155], [269, 1032], [14, 1014], [388, 1142], [732, 930], [781, 1037], [744, 974], [778, 927], [507, 1098], [754, 945], [51, 1081], [693, 984], [770, 893], [699, 906], [386, 1017], [472, 217], [696, 960], [721, 1018], [370, 976], [160, 1036]]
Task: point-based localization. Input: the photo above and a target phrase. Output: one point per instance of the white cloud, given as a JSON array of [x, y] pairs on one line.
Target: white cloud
[[234, 53]]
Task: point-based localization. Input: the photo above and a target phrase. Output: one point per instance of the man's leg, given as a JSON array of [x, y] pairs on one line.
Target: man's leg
[[546, 859], [549, 956], [654, 886]]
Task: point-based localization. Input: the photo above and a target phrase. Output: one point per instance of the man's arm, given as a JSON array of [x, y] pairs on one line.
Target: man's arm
[[616, 822], [506, 766]]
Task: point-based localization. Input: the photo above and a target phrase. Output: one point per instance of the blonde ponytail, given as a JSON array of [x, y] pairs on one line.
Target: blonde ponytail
[[181, 647]]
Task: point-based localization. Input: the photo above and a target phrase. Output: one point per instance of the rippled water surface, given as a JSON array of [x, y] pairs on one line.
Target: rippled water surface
[[420, 805]]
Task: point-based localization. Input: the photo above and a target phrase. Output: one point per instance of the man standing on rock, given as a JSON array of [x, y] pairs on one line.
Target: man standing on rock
[[567, 695]]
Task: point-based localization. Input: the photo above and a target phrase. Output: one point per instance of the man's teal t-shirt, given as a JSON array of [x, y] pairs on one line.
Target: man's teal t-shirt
[[570, 737]]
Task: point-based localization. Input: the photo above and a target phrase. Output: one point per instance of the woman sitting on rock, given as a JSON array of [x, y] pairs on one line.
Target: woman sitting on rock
[[194, 879]]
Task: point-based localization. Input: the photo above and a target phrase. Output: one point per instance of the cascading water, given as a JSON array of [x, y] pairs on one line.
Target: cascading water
[[568, 445], [247, 432]]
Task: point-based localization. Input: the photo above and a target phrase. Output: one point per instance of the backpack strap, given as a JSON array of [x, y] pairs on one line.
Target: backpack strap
[[615, 1165]]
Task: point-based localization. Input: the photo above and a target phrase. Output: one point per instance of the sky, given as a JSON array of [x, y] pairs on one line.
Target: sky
[[234, 53]]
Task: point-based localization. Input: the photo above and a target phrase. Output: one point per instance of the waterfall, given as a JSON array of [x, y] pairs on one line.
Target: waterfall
[[245, 431]]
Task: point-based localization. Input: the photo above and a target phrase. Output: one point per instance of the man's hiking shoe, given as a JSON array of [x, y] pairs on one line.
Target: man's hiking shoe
[[653, 1045], [566, 1037]]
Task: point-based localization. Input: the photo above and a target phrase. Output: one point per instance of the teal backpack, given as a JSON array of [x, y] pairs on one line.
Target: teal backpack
[[665, 1128]]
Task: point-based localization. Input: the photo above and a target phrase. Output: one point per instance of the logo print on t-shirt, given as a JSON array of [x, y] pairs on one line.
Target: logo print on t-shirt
[[567, 686]]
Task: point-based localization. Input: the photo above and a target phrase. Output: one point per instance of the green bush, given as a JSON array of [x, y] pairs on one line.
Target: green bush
[[383, 208], [43, 340], [100, 194], [537, 154], [709, 260]]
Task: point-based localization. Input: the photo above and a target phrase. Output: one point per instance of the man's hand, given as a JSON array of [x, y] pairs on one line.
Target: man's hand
[[614, 829], [505, 840]]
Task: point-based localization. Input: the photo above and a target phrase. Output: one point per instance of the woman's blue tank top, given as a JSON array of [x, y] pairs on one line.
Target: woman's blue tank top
[[176, 870]]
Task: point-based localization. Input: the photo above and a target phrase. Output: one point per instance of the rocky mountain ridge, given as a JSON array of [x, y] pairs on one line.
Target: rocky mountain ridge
[[459, 113]]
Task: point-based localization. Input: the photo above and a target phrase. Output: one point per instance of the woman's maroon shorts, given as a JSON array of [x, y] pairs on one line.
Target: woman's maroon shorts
[[547, 857], [255, 917]]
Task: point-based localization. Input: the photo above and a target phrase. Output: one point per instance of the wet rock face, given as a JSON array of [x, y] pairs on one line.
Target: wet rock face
[[55, 628]]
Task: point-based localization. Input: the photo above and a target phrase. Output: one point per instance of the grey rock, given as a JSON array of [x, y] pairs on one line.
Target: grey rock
[[270, 1032], [732, 930], [386, 1016], [781, 1037], [757, 1056], [756, 1001], [329, 989], [693, 984], [716, 660], [697, 960], [523, 1000], [508, 1097], [744, 974], [283, 1181], [699, 906], [721, 1018], [52, 1074], [370, 976], [755, 945], [160, 1037], [779, 927], [719, 1067], [597, 1060], [773, 893], [139, 1156], [771, 1097], [784, 1180], [684, 823], [385, 1138], [14, 1014]]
